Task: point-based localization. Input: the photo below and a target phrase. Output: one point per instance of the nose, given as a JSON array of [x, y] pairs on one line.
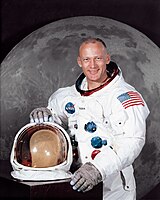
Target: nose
[[92, 63]]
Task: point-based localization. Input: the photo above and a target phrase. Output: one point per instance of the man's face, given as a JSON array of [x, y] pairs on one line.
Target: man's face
[[93, 58]]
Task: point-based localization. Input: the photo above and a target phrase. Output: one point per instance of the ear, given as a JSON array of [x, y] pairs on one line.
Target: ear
[[108, 58], [79, 61]]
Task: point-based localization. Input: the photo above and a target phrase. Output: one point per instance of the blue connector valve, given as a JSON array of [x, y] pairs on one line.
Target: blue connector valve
[[90, 127], [97, 142]]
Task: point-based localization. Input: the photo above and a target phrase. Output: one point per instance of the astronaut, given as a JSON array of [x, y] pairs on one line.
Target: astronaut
[[107, 117]]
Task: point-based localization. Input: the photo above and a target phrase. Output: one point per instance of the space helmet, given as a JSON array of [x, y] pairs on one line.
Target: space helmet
[[41, 152]]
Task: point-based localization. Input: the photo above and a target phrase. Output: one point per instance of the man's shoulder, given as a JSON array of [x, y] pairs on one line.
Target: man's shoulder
[[66, 90]]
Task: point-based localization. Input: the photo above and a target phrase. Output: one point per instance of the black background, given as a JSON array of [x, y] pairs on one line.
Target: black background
[[21, 17]]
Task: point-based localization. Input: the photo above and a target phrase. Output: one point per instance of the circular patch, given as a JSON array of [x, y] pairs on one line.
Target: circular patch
[[69, 107]]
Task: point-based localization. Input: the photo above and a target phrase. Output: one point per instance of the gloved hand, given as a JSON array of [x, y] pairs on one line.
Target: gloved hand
[[86, 177], [40, 115]]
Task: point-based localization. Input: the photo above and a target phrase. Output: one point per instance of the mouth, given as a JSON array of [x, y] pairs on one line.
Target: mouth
[[93, 72]]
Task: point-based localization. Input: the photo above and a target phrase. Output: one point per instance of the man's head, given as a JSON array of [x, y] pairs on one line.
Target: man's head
[[92, 58]]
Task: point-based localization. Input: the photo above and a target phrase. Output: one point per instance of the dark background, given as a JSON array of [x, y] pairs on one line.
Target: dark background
[[21, 17]]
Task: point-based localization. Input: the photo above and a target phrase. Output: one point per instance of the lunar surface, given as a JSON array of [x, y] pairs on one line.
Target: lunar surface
[[46, 60]]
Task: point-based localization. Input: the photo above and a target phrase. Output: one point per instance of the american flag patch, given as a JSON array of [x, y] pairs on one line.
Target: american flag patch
[[130, 99]]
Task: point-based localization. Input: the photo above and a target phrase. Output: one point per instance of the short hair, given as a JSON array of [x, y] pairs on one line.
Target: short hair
[[93, 40]]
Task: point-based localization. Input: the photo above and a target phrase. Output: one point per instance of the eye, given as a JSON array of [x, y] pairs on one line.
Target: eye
[[85, 59], [98, 58]]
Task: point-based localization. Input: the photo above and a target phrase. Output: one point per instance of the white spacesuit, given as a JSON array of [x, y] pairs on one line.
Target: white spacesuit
[[101, 121]]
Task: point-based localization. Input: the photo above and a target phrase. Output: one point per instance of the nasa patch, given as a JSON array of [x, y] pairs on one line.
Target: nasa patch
[[69, 107]]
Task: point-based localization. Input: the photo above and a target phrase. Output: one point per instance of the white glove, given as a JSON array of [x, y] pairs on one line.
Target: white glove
[[86, 177], [40, 115]]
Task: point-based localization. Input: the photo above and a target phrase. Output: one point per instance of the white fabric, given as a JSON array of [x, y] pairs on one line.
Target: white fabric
[[124, 130], [28, 175]]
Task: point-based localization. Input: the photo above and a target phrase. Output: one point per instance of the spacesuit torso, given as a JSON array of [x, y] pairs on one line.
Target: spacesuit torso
[[102, 121]]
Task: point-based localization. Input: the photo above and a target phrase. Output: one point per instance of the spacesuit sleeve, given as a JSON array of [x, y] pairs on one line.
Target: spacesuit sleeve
[[128, 127], [55, 105]]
